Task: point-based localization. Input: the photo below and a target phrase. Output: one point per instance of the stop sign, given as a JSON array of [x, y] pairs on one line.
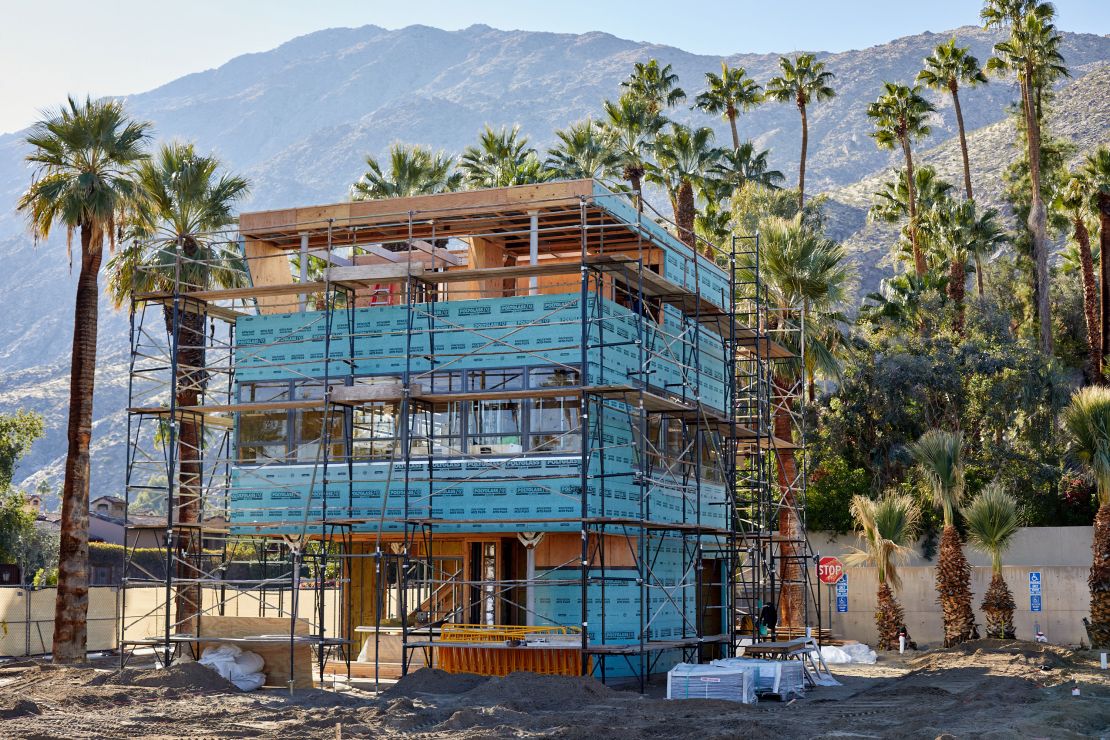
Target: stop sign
[[830, 569]]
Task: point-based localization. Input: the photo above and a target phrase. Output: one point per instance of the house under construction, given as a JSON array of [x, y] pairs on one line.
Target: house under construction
[[519, 428]]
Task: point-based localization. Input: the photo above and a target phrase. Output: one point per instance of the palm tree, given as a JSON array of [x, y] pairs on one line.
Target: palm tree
[[888, 529], [901, 114], [804, 80], [501, 158], [1087, 419], [83, 156], [939, 456], [960, 230], [173, 249], [1074, 199], [584, 151], [685, 157], [1096, 171], [805, 275], [744, 165], [892, 202], [992, 521], [1032, 52], [729, 93], [947, 68], [900, 300], [656, 86], [632, 127], [413, 170]]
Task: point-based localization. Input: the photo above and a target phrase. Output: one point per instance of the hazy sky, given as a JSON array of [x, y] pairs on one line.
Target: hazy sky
[[49, 48]]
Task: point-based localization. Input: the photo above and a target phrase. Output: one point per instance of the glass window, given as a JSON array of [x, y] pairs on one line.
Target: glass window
[[495, 380], [308, 426], [553, 425], [496, 423], [374, 432], [553, 377], [263, 435]]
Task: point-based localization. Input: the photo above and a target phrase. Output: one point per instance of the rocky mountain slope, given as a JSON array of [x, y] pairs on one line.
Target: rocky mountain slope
[[299, 119]]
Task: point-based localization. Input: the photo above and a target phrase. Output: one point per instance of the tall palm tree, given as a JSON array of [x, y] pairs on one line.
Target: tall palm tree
[[804, 80], [84, 155], [583, 151], [173, 249], [891, 204], [805, 275], [1073, 200], [657, 86], [413, 170], [947, 68], [939, 455], [992, 521], [1096, 171], [632, 126], [729, 93], [685, 157], [1032, 52], [743, 165], [1087, 419], [900, 115], [888, 528], [957, 231], [500, 159]]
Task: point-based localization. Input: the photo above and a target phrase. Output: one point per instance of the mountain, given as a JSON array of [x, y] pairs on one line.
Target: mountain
[[299, 119]]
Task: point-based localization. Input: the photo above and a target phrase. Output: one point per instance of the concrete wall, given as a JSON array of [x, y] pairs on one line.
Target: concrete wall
[[1061, 554]]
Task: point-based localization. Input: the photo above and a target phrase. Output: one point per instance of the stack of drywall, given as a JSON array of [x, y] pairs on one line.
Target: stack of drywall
[[781, 678], [693, 681]]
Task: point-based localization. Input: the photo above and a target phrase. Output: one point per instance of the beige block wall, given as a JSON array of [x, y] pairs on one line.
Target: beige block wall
[[1061, 554]]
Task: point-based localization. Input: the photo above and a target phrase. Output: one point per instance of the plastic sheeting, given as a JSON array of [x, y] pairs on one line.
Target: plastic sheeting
[[242, 667], [851, 653], [701, 681]]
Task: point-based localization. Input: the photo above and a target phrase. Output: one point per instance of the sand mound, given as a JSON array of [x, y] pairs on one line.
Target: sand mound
[[186, 676], [1009, 657], [10, 708], [531, 690], [434, 681]]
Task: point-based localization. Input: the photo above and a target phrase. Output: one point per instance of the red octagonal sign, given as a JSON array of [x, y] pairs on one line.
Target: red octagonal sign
[[830, 569]]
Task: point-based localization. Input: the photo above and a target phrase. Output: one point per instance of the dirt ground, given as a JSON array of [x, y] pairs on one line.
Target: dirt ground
[[984, 689]]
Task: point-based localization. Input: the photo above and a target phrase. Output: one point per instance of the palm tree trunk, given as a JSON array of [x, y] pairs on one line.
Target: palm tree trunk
[[191, 381], [684, 212], [963, 138], [967, 176], [998, 607], [888, 618], [1037, 222], [802, 164], [732, 124], [72, 604], [1104, 268], [791, 593], [634, 176], [954, 588], [1090, 300], [1099, 580], [957, 290], [919, 265]]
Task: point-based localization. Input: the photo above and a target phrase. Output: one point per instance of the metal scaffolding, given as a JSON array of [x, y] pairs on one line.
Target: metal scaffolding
[[642, 512]]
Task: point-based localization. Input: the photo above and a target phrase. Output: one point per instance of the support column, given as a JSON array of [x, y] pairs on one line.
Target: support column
[[534, 250], [304, 270], [530, 540]]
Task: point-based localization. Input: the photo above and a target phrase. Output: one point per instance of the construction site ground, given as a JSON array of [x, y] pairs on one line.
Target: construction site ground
[[981, 689]]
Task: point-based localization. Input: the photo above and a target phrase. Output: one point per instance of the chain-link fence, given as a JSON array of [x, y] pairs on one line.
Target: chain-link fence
[[27, 615]]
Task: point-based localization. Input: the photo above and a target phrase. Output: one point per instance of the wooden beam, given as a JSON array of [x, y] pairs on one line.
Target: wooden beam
[[269, 266]]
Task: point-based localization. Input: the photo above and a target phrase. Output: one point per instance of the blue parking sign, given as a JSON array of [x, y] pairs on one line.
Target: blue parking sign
[[1034, 603], [842, 604], [1035, 591], [842, 594]]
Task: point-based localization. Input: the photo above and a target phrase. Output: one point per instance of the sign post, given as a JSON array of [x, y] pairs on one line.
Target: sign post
[[842, 594], [1035, 591]]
